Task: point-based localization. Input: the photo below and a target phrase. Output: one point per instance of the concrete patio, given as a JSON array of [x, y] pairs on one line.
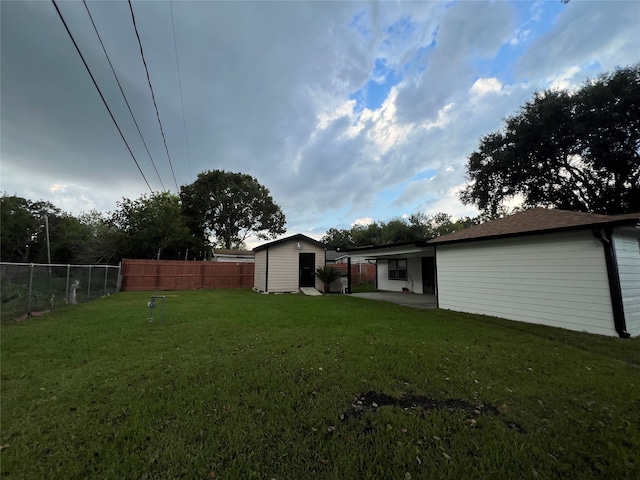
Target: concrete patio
[[406, 299]]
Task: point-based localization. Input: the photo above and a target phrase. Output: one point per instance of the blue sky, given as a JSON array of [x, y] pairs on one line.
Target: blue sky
[[347, 111]]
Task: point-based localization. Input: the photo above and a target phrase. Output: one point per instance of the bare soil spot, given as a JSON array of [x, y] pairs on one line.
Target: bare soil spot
[[421, 405]]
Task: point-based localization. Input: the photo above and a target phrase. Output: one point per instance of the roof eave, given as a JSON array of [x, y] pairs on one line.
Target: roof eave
[[611, 223]]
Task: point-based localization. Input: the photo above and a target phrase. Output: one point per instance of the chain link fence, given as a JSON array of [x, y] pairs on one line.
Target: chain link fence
[[28, 289]]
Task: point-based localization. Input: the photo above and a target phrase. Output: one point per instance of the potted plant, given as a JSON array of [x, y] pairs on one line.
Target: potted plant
[[327, 276]]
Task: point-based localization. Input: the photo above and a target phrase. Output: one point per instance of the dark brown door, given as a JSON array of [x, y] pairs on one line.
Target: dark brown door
[[307, 269], [428, 275]]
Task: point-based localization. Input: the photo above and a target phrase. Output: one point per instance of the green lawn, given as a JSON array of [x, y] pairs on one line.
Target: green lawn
[[236, 384]]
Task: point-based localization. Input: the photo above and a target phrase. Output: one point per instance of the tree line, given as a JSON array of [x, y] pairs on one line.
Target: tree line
[[569, 149], [417, 226], [218, 209]]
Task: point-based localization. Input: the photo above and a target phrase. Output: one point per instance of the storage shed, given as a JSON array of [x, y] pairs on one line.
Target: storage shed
[[288, 264], [578, 271]]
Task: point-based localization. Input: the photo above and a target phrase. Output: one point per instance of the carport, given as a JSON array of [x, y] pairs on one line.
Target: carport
[[405, 266], [413, 300]]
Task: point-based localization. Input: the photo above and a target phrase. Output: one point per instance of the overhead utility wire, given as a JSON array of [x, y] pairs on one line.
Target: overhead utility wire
[[133, 17], [122, 92], [184, 122], [100, 93]]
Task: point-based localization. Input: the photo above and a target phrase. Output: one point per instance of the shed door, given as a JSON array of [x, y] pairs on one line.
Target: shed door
[[428, 275], [307, 269]]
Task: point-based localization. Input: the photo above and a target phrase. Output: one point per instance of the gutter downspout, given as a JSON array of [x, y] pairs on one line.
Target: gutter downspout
[[435, 274], [266, 273], [613, 275]]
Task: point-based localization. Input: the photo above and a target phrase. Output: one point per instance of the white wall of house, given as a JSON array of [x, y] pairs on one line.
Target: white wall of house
[[552, 279], [260, 270], [627, 247], [233, 259], [414, 276], [283, 266]]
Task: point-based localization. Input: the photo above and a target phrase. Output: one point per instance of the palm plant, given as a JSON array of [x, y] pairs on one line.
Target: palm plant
[[327, 276]]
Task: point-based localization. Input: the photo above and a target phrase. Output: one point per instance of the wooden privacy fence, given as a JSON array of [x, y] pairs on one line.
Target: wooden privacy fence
[[140, 275], [360, 272]]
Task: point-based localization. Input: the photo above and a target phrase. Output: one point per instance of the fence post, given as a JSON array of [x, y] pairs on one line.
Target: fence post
[[89, 285], [66, 296], [106, 271], [30, 287], [119, 279]]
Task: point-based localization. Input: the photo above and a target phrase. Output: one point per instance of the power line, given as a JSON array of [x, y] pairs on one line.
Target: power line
[[100, 93], [122, 92], [184, 122], [153, 97]]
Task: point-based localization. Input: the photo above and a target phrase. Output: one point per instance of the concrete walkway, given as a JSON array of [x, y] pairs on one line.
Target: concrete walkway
[[310, 291], [414, 300]]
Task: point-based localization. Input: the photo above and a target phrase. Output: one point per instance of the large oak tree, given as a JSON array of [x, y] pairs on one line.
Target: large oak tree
[[574, 150], [228, 207]]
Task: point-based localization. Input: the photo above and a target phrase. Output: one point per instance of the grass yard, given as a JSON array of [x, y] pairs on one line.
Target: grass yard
[[235, 384]]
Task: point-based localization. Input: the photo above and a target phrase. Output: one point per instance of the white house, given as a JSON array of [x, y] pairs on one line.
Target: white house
[[406, 266], [288, 264], [578, 271], [232, 256]]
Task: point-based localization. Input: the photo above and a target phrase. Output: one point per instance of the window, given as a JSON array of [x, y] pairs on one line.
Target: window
[[397, 269]]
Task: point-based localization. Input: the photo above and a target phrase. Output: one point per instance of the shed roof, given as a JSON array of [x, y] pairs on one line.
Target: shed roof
[[410, 248], [536, 220], [293, 238], [232, 252]]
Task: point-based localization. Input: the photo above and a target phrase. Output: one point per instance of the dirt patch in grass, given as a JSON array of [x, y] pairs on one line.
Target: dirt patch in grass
[[421, 405]]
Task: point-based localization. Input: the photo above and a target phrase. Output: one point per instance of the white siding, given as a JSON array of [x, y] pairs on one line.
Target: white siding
[[283, 269], [414, 274], [259, 274], [627, 247], [556, 279]]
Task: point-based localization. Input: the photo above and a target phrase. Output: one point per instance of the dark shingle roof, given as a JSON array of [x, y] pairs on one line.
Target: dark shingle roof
[[536, 220], [297, 237], [230, 251]]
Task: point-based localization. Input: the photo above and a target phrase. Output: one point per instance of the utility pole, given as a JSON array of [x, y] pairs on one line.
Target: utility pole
[[46, 225]]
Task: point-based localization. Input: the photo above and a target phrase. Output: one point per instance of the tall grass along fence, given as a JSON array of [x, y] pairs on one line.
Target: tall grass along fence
[[30, 289], [140, 275]]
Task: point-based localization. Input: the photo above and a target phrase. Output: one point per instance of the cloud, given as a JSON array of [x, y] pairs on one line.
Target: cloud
[[585, 33], [268, 90], [449, 203], [482, 86], [466, 30], [362, 221]]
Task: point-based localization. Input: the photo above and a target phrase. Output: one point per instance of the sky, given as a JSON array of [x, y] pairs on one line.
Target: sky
[[348, 112]]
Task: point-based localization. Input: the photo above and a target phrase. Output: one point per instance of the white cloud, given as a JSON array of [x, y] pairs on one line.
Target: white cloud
[[362, 221], [482, 86], [343, 110], [450, 203], [565, 80], [443, 119], [519, 36]]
